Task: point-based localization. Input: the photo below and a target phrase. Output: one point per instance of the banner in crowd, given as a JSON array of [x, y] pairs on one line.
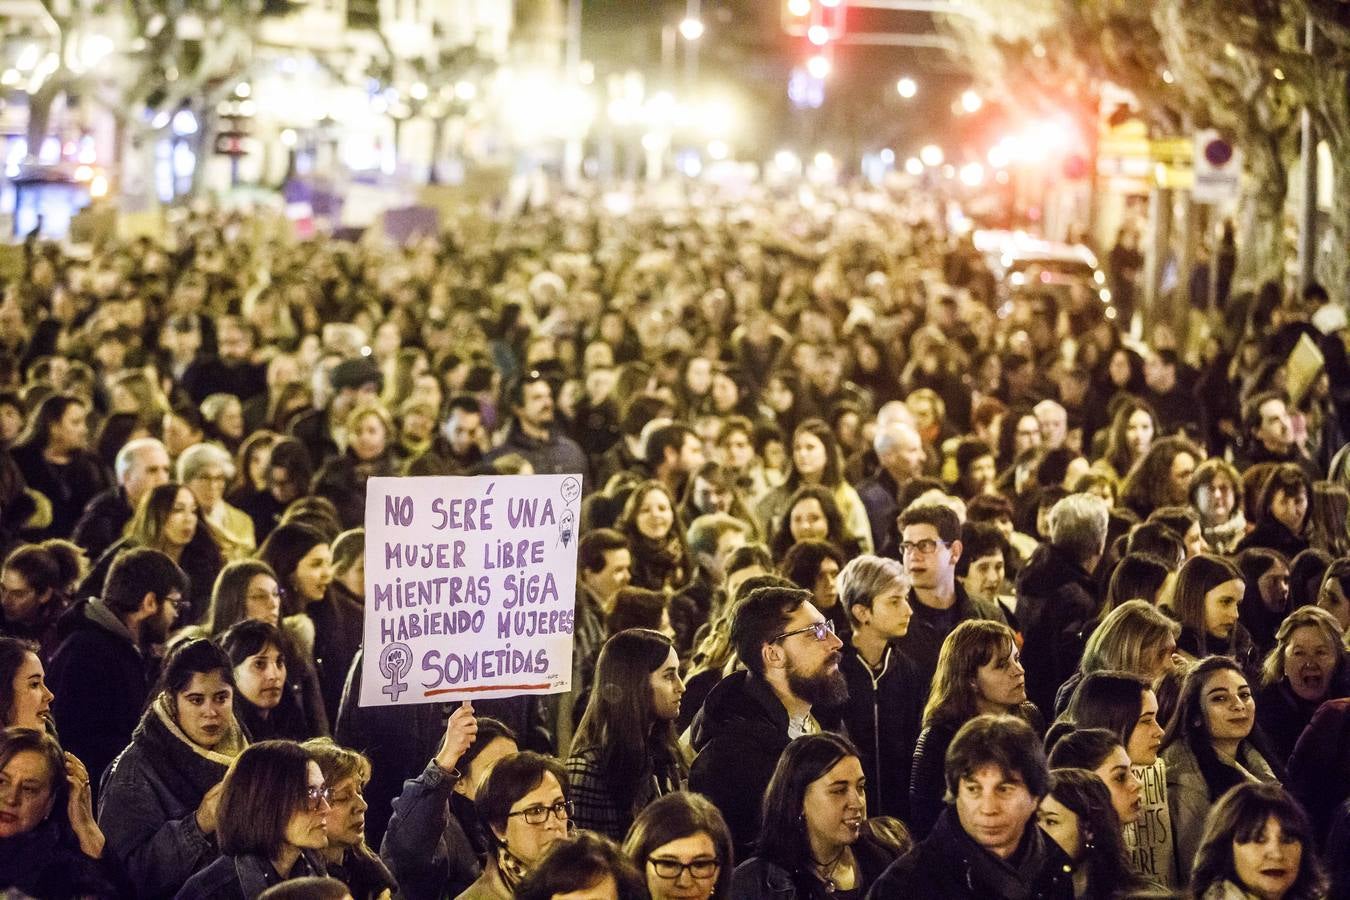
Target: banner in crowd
[[470, 587]]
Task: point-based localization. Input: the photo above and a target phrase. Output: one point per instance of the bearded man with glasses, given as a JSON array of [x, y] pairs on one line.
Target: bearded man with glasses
[[791, 657]]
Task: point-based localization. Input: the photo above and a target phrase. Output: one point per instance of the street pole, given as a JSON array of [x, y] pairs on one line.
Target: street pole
[[1307, 220]]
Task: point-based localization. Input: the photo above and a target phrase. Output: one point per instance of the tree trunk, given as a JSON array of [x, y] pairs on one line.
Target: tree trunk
[[1261, 244], [1335, 270]]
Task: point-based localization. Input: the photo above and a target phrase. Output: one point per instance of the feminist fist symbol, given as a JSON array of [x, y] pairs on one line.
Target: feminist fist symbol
[[395, 664]]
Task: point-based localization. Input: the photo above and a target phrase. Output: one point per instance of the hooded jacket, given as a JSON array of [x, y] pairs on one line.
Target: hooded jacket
[[101, 682], [738, 737], [148, 805], [950, 865]]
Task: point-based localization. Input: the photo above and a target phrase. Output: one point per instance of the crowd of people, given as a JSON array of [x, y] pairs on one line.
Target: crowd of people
[[893, 581]]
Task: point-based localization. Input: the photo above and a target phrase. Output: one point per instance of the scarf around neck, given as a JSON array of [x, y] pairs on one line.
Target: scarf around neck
[[187, 769]]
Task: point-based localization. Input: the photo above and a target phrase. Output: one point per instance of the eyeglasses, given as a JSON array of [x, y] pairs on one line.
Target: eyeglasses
[[671, 869], [538, 815], [924, 547], [218, 478], [180, 605], [316, 797], [821, 631]]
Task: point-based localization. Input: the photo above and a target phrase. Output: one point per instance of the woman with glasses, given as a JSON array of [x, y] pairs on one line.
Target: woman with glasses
[[158, 806], [347, 857], [682, 845], [436, 844], [625, 752], [524, 804], [169, 519], [274, 812], [206, 469], [816, 840], [978, 671]]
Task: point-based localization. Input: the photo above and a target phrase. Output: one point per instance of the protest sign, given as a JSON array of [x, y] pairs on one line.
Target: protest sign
[[470, 587]]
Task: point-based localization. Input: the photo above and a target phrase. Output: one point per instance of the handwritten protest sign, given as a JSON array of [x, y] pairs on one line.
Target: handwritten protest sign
[[470, 587]]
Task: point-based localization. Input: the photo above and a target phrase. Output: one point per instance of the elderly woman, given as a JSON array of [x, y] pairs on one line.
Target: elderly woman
[[205, 469], [1214, 492], [1306, 667], [224, 417]]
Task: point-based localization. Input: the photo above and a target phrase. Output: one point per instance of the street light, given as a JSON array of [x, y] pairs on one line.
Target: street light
[[907, 87], [691, 28], [818, 66]]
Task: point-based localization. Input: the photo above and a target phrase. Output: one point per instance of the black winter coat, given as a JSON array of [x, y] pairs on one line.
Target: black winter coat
[[881, 716], [46, 862], [101, 683], [1056, 603], [103, 521], [738, 737], [930, 627], [949, 865]]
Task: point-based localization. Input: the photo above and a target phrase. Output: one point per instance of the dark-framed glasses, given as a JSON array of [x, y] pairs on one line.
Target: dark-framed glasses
[[671, 869], [925, 547], [538, 815]]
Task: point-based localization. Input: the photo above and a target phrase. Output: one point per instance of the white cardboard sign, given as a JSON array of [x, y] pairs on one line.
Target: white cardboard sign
[[470, 587]]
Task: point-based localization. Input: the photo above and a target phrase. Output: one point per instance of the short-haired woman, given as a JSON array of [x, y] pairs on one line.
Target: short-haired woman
[[583, 865], [158, 805], [274, 814], [523, 802], [625, 753], [41, 853], [347, 856], [1257, 843], [682, 846], [36, 583], [1208, 749], [1215, 493], [816, 839], [1306, 667], [978, 671], [436, 844], [1078, 816], [269, 703], [206, 469], [1281, 512]]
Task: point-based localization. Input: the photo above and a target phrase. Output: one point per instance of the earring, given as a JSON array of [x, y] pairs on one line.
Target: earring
[[1087, 842]]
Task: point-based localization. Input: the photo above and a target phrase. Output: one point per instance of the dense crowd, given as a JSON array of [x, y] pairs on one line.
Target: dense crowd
[[894, 580]]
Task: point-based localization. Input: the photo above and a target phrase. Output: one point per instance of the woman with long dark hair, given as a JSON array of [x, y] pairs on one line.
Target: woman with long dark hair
[[625, 754], [160, 797], [169, 520], [268, 703], [1257, 843], [661, 560], [52, 454], [978, 671], [1101, 752], [36, 584], [813, 514], [1281, 512], [274, 810], [1208, 749], [1133, 427], [682, 845], [1209, 591], [816, 840], [302, 559], [1078, 816]]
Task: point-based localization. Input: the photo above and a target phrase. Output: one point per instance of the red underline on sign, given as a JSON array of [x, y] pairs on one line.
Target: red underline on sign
[[487, 687]]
